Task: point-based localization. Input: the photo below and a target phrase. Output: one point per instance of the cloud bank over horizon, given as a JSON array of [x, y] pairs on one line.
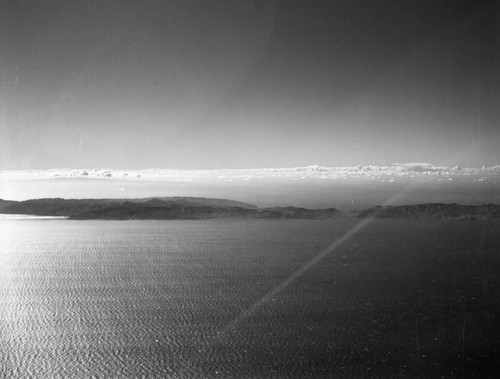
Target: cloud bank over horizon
[[402, 170], [310, 186]]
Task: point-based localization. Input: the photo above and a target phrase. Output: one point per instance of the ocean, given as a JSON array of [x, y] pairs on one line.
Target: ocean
[[249, 298]]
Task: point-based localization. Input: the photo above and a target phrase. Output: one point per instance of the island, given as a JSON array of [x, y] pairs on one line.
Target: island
[[167, 208], [434, 211], [193, 208]]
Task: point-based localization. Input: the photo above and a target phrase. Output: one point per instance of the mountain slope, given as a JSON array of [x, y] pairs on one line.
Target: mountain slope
[[158, 208], [434, 211]]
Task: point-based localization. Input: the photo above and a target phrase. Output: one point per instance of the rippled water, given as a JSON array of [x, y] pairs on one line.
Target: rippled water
[[220, 298]]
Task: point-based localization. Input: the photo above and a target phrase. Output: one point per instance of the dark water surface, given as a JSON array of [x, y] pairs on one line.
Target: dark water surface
[[212, 298]]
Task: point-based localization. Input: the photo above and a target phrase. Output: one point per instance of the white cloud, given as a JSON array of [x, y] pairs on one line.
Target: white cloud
[[354, 173]]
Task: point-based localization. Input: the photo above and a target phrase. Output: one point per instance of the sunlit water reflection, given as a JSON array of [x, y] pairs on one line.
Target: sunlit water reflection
[[155, 298]]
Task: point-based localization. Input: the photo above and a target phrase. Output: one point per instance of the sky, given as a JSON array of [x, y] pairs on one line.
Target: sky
[[195, 84]]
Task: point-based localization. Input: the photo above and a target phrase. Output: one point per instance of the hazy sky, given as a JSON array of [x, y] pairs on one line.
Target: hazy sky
[[238, 84]]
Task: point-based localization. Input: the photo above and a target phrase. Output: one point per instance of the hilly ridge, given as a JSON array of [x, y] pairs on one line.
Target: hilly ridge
[[189, 208], [434, 211], [157, 208]]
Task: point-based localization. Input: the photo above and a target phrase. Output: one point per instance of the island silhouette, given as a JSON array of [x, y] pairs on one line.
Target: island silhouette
[[192, 208]]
